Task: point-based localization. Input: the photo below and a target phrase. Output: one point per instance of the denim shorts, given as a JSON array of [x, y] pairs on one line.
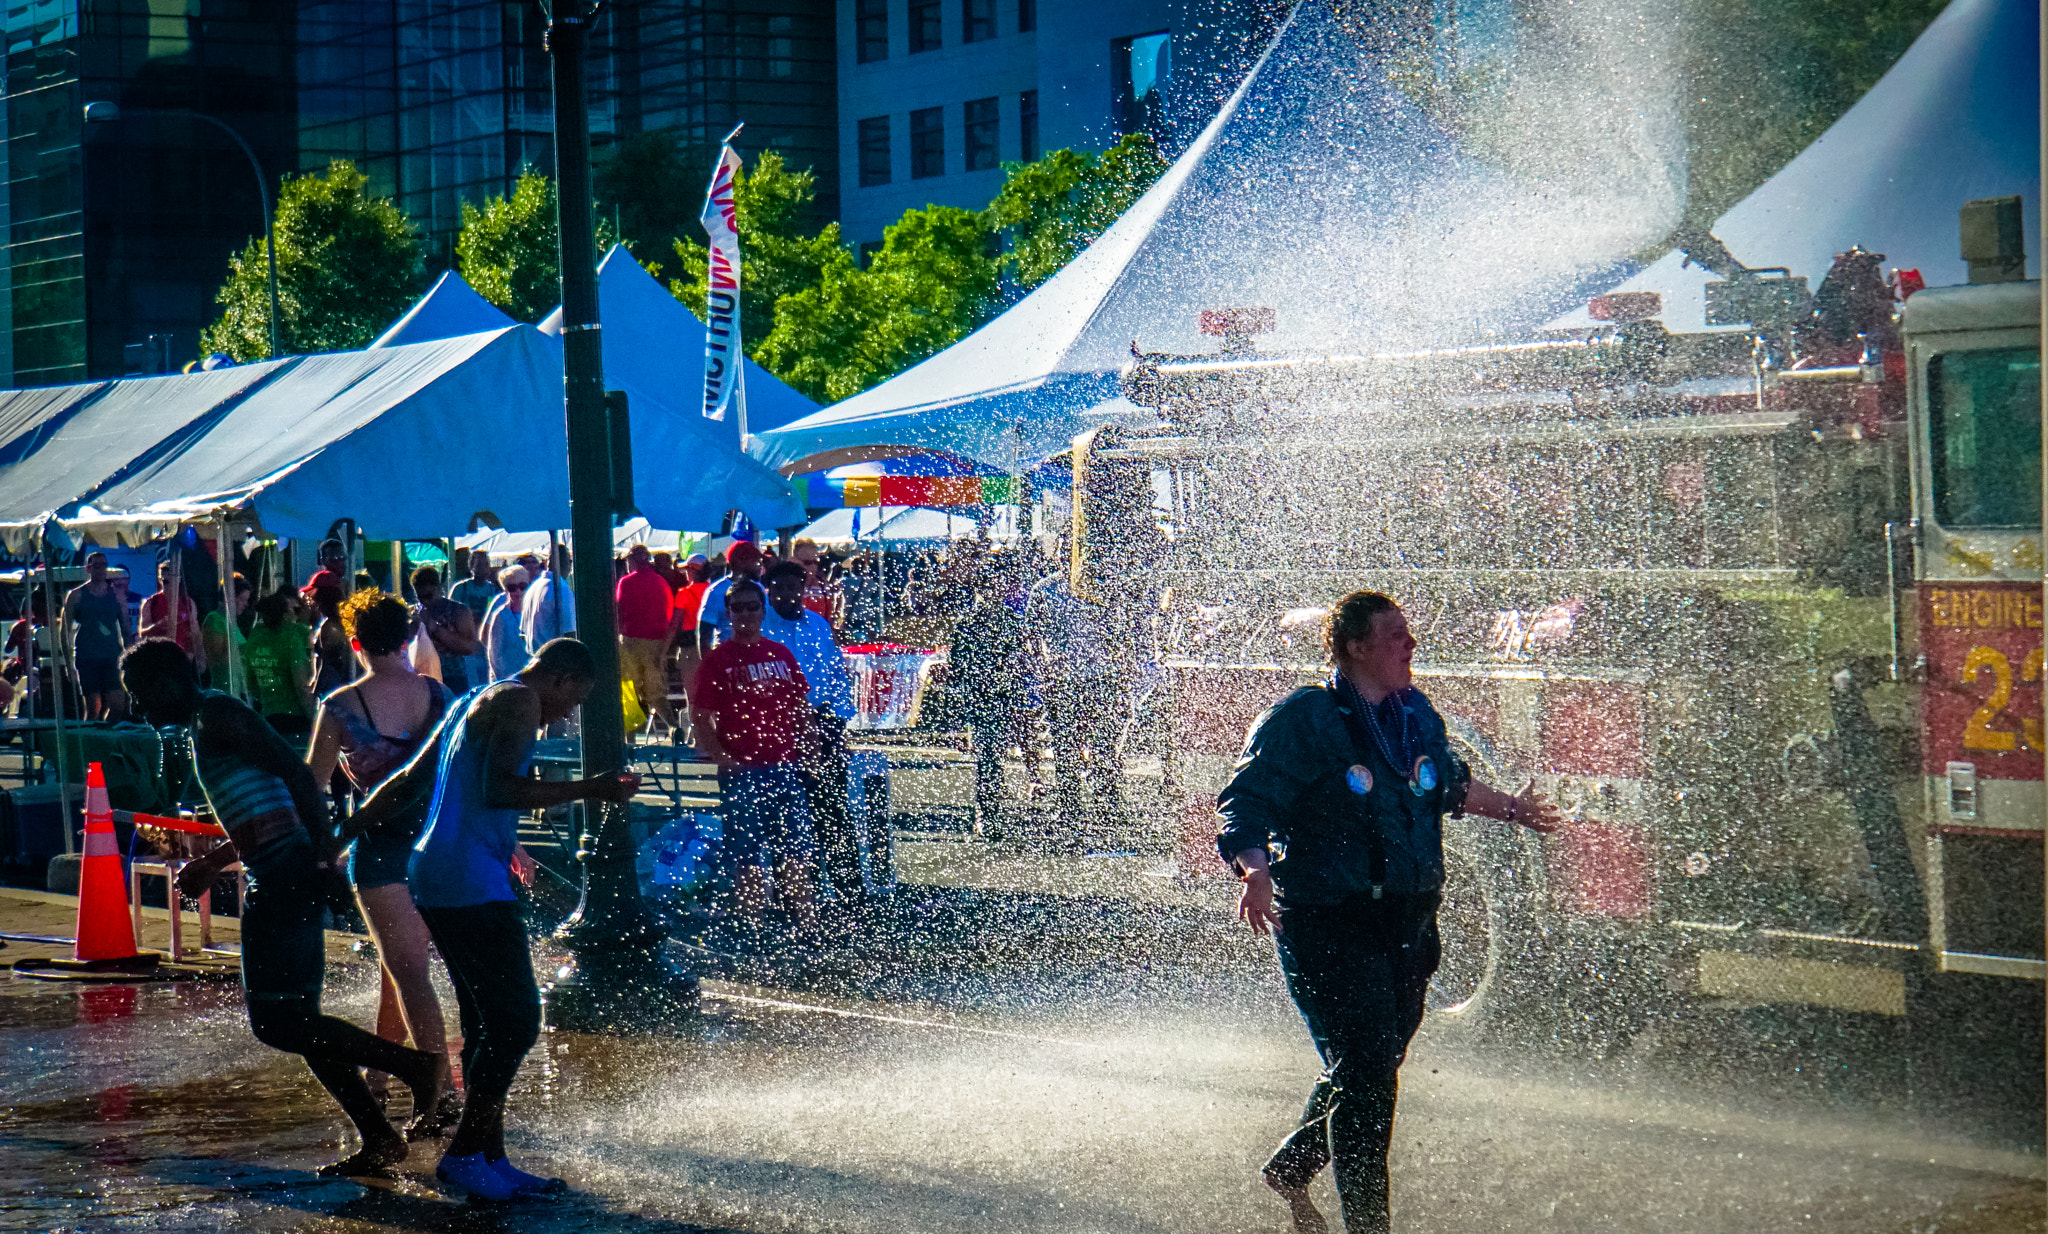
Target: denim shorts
[[379, 858], [99, 676], [766, 813]]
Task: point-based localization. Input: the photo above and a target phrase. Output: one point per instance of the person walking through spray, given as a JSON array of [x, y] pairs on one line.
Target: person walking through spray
[[370, 728], [1333, 819], [750, 703], [476, 768], [276, 824]]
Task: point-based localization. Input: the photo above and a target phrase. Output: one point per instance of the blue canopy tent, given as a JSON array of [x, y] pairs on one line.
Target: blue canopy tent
[[450, 308], [1322, 192], [654, 351], [659, 345], [1957, 118], [385, 436], [66, 444]]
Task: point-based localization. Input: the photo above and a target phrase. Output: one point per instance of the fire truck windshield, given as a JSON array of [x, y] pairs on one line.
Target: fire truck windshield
[[1985, 419]]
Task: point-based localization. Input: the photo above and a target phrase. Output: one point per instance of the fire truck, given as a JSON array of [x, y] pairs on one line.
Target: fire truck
[[1759, 606]]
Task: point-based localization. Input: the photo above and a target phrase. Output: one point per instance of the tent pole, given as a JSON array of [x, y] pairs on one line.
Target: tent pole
[[231, 626], [60, 675]]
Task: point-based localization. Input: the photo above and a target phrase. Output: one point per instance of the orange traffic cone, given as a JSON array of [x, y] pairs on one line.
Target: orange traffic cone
[[106, 930]]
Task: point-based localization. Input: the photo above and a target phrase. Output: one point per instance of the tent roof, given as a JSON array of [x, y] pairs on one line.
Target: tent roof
[[924, 525], [653, 343], [387, 436], [1957, 118], [450, 308], [68, 443], [1321, 191], [510, 544]]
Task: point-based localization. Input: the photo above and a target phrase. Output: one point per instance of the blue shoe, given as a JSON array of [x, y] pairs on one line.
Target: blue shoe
[[528, 1184], [474, 1175]]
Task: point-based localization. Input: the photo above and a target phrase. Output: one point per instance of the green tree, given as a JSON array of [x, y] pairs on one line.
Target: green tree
[[1051, 209], [779, 258], [347, 263], [932, 283], [1766, 80], [508, 251]]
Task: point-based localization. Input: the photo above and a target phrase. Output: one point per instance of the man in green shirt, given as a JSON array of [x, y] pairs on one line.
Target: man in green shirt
[[277, 658]]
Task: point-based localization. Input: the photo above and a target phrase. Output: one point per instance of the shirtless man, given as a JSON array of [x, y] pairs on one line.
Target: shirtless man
[[475, 766]]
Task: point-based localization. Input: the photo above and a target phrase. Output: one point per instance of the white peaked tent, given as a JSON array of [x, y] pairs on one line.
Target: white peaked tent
[[1320, 191], [450, 308], [1957, 118]]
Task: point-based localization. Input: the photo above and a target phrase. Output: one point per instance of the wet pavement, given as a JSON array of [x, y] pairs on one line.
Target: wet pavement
[[1131, 1098]]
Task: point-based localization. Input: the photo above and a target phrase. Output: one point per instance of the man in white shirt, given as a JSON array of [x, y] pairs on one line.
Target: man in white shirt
[[809, 638], [1085, 691], [549, 611]]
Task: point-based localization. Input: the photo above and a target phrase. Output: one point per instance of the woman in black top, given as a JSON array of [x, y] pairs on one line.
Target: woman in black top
[[1334, 820]]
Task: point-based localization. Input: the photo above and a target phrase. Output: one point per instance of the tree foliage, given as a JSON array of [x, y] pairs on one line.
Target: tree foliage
[[347, 263], [1765, 80], [648, 190], [509, 252], [507, 249], [1051, 209], [934, 281], [772, 204]]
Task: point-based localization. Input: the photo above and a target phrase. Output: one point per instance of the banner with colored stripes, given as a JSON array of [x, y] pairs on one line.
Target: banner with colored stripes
[[931, 490]]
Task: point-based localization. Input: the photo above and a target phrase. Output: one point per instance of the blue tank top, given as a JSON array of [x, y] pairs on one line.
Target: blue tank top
[[464, 854]]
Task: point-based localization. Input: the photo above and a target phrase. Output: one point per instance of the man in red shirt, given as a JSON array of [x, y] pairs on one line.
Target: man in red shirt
[[644, 601], [751, 705]]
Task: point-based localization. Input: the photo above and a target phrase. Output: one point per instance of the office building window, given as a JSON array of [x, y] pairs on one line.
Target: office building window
[[927, 143], [871, 30], [1027, 16], [924, 25], [1027, 126], [1144, 67], [874, 151], [983, 127], [977, 20]]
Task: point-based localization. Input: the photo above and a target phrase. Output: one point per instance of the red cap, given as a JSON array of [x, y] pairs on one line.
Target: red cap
[[743, 553]]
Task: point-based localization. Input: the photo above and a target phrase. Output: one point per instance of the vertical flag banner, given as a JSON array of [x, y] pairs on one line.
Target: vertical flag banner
[[722, 385]]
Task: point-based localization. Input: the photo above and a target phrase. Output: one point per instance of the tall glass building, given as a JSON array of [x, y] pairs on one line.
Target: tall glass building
[[118, 240]]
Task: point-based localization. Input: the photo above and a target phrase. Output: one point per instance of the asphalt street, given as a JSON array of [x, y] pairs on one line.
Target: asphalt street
[[1132, 1105]]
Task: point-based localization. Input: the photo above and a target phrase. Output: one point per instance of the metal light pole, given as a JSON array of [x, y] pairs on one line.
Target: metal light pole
[[109, 113], [618, 979]]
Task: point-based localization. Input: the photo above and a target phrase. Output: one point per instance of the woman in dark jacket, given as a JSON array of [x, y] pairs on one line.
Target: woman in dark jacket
[[1334, 821]]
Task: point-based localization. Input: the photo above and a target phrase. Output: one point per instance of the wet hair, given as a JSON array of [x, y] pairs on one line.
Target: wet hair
[[93, 554], [785, 569], [1351, 618], [742, 585], [157, 658], [426, 576], [271, 609], [565, 658], [381, 623]]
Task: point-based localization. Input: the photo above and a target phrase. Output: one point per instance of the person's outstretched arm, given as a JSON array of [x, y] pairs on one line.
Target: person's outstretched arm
[[511, 718]]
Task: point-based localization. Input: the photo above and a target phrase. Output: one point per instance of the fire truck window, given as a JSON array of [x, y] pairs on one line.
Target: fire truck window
[[1985, 418]]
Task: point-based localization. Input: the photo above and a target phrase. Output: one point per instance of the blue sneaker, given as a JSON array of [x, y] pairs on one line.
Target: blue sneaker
[[528, 1184], [474, 1175]]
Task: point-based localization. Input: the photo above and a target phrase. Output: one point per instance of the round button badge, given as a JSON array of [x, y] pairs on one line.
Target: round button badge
[[1424, 778], [1359, 777]]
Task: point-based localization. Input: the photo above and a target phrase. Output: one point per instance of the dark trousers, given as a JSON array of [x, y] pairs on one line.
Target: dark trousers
[[1359, 972], [824, 772], [485, 948]]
